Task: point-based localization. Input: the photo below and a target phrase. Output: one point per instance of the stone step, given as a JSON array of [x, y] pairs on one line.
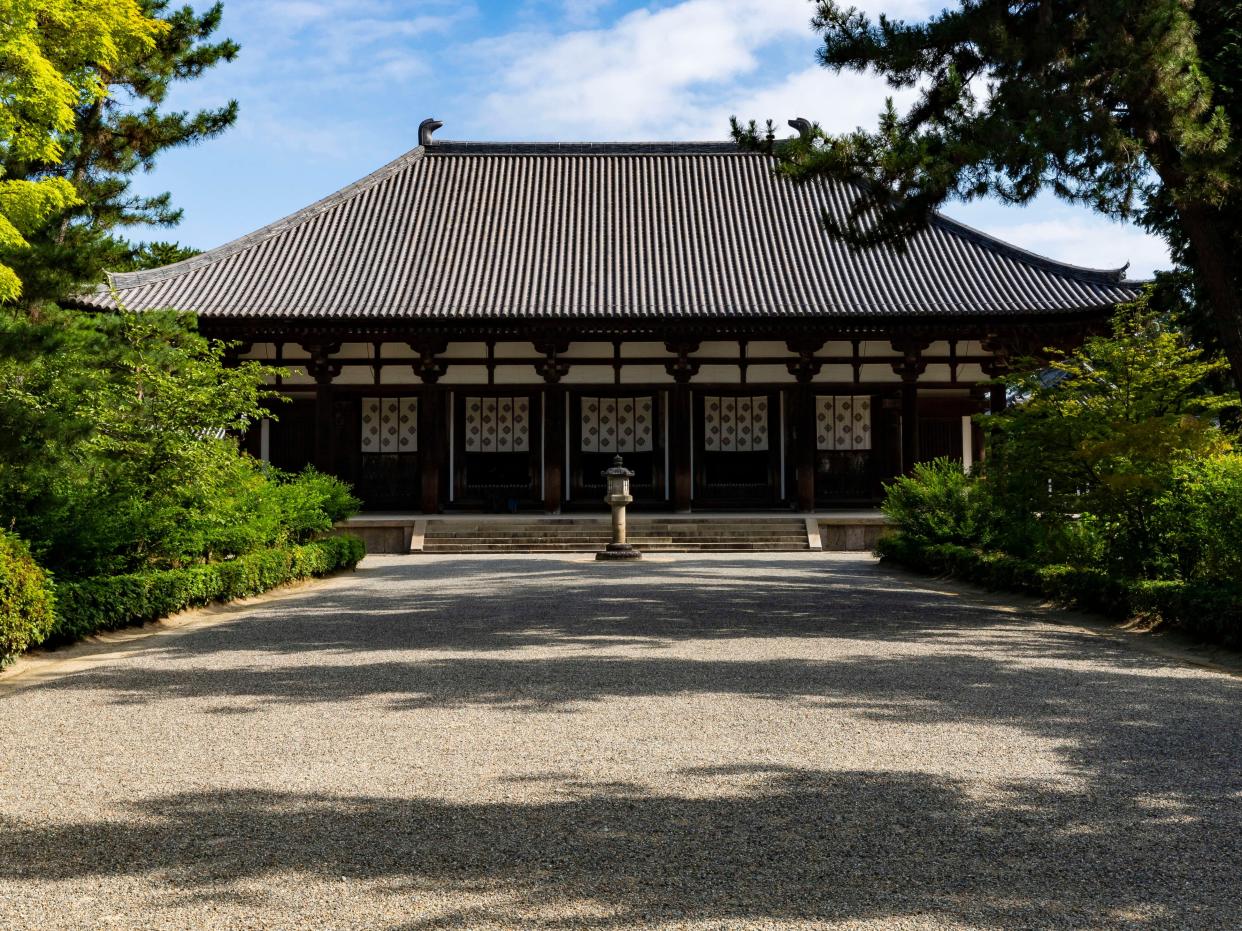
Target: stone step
[[449, 548], [597, 542], [592, 534]]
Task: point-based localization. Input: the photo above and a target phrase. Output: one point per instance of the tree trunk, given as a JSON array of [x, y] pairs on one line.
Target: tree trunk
[[1213, 263]]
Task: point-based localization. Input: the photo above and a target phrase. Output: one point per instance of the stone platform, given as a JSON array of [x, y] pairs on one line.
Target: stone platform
[[835, 531]]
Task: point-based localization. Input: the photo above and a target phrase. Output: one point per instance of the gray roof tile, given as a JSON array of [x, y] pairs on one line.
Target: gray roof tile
[[601, 231]]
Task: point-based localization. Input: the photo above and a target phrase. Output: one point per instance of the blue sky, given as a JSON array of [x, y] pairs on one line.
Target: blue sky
[[332, 89]]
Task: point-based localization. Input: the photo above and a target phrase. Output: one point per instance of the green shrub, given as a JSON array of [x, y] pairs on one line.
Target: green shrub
[[26, 601], [1209, 610], [110, 602], [1200, 520], [311, 503], [935, 504]]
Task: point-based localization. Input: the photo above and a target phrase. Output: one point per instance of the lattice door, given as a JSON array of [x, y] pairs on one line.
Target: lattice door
[[618, 425], [390, 425], [732, 424], [498, 425]]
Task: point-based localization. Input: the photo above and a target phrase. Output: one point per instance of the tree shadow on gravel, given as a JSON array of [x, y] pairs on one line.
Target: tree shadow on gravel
[[1147, 731], [777, 845], [501, 605]]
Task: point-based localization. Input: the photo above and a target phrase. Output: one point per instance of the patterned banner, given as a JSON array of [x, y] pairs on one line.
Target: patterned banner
[[498, 425], [842, 423], [618, 425], [735, 424], [389, 425]]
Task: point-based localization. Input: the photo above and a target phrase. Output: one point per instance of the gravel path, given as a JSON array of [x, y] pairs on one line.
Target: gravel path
[[706, 742]]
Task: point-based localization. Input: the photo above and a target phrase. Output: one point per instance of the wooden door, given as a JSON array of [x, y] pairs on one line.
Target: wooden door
[[497, 456], [737, 449]]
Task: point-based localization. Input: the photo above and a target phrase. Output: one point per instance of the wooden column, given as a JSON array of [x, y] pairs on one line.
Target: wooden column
[[909, 424], [804, 368], [432, 439], [997, 367], [681, 422], [552, 369], [911, 366], [323, 370], [432, 422], [553, 448]]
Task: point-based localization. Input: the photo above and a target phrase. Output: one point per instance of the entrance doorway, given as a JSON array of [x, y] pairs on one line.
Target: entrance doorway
[[737, 449], [496, 461], [604, 426]]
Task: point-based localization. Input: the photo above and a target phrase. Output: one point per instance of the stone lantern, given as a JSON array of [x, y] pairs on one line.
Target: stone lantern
[[618, 497]]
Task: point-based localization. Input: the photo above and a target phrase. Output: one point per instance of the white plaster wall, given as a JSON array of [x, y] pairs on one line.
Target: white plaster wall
[[465, 351], [261, 352], [937, 372], [725, 348], [639, 350], [767, 349], [465, 375], [645, 375], [399, 375], [837, 347], [514, 350], [971, 373], [726, 374], [297, 378], [769, 374], [589, 375], [355, 375], [357, 351], [294, 351], [875, 347], [881, 372], [835, 373], [588, 350], [516, 375]]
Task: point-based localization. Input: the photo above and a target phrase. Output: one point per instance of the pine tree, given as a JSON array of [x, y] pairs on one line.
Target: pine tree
[[50, 54], [1122, 105], [113, 138]]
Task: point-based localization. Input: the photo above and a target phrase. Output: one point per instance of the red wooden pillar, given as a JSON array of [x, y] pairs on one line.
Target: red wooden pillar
[[432, 439], [553, 448], [681, 422], [552, 369], [910, 367], [323, 370], [432, 422], [909, 423], [804, 368]]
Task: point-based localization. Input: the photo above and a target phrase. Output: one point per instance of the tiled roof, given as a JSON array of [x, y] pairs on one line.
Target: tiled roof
[[602, 231]]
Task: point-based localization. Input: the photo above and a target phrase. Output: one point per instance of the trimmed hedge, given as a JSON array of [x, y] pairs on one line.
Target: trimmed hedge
[[112, 602], [27, 603], [1207, 610]]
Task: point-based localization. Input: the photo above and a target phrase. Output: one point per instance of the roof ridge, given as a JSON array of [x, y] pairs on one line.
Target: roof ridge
[[470, 147], [119, 280]]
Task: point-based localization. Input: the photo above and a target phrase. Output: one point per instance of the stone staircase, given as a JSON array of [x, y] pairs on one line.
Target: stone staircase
[[591, 534]]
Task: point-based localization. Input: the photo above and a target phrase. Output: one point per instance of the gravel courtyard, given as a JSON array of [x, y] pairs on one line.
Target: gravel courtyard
[[805, 741]]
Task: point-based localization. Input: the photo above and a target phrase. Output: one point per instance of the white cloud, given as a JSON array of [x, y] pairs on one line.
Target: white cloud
[[838, 102], [635, 78], [674, 72], [1069, 234]]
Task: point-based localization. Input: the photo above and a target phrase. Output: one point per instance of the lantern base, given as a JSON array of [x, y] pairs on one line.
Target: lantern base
[[617, 551]]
